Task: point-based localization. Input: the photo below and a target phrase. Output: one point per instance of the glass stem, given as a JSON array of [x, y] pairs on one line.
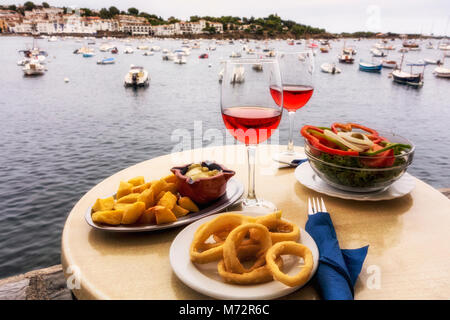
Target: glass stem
[[251, 157], [290, 147]]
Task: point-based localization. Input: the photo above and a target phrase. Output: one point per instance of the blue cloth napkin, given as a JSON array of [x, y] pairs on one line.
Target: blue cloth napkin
[[338, 269], [297, 162]]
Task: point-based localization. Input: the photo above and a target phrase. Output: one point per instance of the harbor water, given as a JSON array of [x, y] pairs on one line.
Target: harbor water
[[59, 139]]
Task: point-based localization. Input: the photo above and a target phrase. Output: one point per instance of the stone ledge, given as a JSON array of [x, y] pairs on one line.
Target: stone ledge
[[49, 283], [43, 284]]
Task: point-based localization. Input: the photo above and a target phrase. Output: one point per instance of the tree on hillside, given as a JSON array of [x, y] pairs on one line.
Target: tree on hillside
[[45, 5], [133, 11], [12, 7], [172, 19], [113, 11], [104, 13], [28, 6]]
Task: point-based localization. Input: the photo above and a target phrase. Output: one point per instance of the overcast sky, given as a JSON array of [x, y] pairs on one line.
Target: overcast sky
[[401, 16]]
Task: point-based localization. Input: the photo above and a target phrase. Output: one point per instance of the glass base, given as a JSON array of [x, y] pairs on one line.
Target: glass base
[[257, 206], [287, 157]]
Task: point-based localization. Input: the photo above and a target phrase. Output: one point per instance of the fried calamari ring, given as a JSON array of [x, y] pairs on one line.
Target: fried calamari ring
[[293, 248], [280, 230], [258, 275], [233, 241], [214, 252]]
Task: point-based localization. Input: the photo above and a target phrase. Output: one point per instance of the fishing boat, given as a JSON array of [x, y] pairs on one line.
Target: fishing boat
[[408, 78], [349, 50], [346, 58], [431, 61], [324, 49], [369, 66], [142, 47], [257, 67], [410, 44], [430, 45], [136, 77], [389, 64], [203, 56], [106, 61], [33, 69], [270, 54], [330, 68], [115, 50], [442, 72], [148, 53], [377, 53], [105, 47], [403, 50], [156, 48]]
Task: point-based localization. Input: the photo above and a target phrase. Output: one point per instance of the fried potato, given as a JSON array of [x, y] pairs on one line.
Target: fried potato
[[188, 204], [112, 217], [129, 198], [140, 188], [103, 204], [171, 178], [164, 215], [133, 212], [158, 186], [159, 196], [168, 200], [148, 197], [124, 189], [136, 181], [179, 211], [172, 187], [121, 206], [148, 217]]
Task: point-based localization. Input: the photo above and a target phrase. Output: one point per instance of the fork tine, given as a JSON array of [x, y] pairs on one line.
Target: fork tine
[[310, 210], [319, 207], [324, 209]]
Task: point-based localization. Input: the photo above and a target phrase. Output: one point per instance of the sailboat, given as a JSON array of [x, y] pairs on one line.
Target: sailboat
[[408, 78]]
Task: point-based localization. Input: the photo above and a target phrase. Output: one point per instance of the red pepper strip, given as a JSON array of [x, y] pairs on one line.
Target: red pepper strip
[[384, 159], [349, 126], [319, 145]]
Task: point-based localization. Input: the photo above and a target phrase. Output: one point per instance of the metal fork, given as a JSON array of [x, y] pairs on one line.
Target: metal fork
[[317, 206]]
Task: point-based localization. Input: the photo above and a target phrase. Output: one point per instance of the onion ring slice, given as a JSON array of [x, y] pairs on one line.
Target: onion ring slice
[[234, 239], [293, 248], [258, 275]]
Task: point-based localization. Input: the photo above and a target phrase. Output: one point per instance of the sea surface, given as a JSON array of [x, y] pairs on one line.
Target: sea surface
[[58, 139]]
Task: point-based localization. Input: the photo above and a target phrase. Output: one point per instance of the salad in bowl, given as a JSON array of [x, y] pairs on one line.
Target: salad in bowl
[[356, 158]]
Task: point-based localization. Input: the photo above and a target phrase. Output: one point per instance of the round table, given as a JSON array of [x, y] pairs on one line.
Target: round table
[[409, 237]]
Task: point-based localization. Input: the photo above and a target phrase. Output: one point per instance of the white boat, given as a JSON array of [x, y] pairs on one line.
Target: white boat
[[33, 69], [52, 39], [238, 75], [221, 75], [156, 48], [136, 77], [168, 57], [180, 59], [390, 64], [165, 51], [106, 61], [377, 53], [142, 47], [128, 50], [149, 53], [257, 67], [271, 54], [442, 72], [330, 68], [431, 61], [235, 55], [105, 47]]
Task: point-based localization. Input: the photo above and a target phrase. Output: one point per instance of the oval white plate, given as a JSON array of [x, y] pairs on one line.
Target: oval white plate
[[306, 176], [205, 279]]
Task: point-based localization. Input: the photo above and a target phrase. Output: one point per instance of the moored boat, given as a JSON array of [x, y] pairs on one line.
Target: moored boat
[[377, 53], [390, 64], [128, 50], [106, 61], [442, 72], [369, 66], [330, 68], [33, 69], [346, 58], [136, 77]]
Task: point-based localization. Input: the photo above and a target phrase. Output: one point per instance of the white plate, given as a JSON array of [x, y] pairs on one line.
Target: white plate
[[306, 176], [205, 278], [234, 191]]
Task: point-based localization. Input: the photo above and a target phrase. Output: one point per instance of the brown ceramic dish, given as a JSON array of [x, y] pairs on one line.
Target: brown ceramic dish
[[203, 190]]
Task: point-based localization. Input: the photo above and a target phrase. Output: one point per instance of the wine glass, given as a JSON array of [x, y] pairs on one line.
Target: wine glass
[[296, 75], [250, 112]]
